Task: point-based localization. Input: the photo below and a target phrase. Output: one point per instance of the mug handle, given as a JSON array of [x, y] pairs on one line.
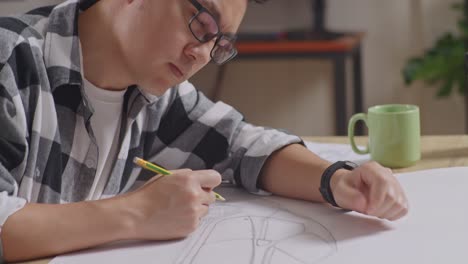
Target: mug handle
[[352, 123]]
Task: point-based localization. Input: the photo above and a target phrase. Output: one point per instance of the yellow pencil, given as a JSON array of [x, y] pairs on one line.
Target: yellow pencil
[[157, 169]]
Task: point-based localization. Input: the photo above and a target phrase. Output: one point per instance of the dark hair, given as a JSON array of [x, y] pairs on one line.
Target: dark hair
[[258, 1]]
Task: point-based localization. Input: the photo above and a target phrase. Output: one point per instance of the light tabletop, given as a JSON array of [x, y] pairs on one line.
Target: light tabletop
[[437, 152]]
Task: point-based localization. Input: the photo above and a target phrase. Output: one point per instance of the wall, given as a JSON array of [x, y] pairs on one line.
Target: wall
[[297, 94]]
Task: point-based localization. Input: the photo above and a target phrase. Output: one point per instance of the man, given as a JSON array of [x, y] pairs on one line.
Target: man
[[88, 85]]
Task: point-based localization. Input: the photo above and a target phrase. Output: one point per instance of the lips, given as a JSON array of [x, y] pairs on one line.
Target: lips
[[176, 70]]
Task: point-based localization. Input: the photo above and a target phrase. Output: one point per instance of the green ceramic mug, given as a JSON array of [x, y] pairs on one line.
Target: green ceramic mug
[[394, 134]]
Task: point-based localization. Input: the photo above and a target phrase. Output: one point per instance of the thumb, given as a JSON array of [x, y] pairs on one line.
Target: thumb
[[351, 198]]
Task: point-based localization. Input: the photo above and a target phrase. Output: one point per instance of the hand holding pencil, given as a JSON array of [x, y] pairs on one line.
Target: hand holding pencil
[[160, 170], [169, 207]]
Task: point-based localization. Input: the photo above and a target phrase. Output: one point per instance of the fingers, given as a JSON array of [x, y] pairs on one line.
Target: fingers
[[208, 178], [402, 212], [377, 179], [208, 197], [397, 211], [204, 210], [386, 199], [349, 197], [201, 183], [377, 195], [394, 204], [383, 208]]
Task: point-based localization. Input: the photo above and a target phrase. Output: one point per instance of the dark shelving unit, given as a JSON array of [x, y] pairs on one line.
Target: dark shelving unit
[[315, 42]]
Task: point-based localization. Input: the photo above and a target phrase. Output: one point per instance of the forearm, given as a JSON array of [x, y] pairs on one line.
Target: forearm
[[371, 189], [294, 172], [40, 230]]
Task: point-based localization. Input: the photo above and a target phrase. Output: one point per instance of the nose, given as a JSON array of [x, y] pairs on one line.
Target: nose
[[199, 52]]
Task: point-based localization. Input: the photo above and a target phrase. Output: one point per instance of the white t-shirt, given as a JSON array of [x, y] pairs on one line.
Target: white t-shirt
[[105, 124]]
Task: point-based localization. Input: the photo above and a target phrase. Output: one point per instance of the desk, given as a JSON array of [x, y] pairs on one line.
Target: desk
[[437, 152]]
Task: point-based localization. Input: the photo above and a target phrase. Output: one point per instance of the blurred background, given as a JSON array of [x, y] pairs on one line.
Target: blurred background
[[298, 95]]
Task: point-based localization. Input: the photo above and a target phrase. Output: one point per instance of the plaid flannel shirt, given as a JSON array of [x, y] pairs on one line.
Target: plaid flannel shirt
[[47, 148]]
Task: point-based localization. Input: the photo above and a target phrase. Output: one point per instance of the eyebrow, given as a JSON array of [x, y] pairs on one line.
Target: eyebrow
[[213, 8]]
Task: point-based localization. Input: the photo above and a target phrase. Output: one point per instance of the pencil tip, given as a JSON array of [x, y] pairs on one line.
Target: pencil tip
[[220, 198]]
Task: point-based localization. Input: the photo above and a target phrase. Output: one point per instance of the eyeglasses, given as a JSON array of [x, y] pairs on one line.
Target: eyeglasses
[[204, 28]]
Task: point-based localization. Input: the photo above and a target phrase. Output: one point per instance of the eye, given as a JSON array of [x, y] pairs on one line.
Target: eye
[[225, 43], [208, 23], [200, 21]]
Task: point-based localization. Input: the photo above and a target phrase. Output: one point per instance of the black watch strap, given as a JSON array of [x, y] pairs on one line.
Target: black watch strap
[[325, 188]]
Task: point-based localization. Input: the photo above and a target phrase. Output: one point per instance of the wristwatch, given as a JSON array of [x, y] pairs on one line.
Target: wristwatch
[[325, 188]]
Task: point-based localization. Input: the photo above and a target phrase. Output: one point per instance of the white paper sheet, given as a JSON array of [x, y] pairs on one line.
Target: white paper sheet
[[335, 152], [271, 230]]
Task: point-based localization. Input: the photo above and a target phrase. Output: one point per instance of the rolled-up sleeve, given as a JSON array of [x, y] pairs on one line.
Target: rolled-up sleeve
[[13, 143], [9, 205], [252, 146], [216, 135]]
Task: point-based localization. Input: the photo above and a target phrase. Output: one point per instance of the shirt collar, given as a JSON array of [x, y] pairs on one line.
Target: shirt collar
[[61, 45]]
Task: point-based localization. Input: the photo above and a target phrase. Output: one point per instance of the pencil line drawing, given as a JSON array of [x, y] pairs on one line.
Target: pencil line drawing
[[264, 234]]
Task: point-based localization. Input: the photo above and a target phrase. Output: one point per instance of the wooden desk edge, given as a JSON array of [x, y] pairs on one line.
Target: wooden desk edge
[[438, 151]]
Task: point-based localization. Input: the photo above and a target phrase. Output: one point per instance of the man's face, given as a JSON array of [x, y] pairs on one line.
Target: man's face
[[159, 49]]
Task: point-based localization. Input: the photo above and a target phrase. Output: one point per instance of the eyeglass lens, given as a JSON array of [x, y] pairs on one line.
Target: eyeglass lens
[[204, 27]]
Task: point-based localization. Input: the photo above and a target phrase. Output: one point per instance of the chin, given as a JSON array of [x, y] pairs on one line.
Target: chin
[[156, 91], [157, 87]]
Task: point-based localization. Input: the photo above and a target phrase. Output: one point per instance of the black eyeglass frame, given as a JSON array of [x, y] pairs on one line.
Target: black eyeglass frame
[[218, 36]]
